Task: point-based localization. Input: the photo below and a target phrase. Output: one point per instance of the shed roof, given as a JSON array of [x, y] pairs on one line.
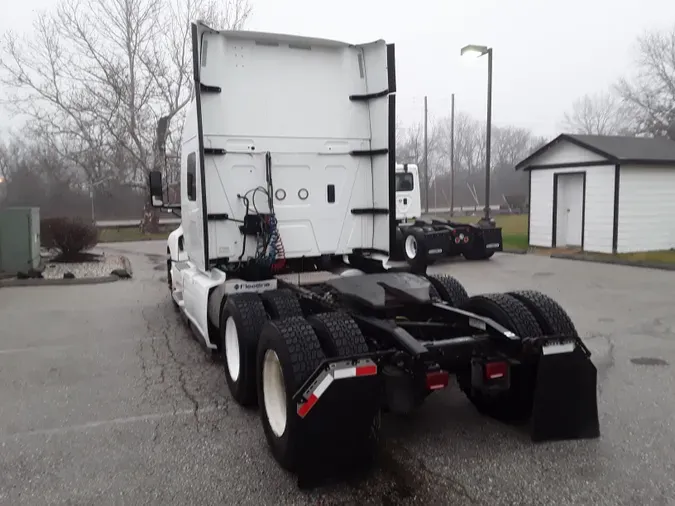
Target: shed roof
[[616, 148]]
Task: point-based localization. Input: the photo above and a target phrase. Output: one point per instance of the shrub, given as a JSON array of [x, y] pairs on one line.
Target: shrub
[[69, 236]]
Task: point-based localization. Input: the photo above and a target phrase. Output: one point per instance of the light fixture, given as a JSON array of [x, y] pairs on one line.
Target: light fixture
[[474, 50]]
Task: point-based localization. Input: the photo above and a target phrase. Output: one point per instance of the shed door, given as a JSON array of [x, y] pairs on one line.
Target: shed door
[[569, 210]]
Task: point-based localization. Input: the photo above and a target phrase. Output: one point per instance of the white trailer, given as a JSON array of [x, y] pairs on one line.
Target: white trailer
[[281, 263]]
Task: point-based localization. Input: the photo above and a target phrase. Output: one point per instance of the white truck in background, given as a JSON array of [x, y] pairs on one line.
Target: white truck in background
[[282, 263], [421, 242]]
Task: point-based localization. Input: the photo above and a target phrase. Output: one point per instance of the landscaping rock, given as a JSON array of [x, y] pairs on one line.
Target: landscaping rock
[[121, 273], [68, 275], [35, 274], [94, 266]]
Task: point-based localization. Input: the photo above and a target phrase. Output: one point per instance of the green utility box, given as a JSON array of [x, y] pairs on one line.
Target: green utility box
[[19, 239]]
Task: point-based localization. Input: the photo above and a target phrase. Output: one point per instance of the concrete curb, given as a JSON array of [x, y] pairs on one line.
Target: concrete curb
[[127, 265], [615, 261], [58, 281]]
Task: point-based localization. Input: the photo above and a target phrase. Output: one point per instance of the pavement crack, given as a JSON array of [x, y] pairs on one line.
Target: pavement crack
[[155, 433], [455, 484], [408, 479], [182, 380]]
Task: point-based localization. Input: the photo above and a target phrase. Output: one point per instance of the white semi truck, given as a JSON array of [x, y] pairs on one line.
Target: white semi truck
[[421, 242], [281, 264]]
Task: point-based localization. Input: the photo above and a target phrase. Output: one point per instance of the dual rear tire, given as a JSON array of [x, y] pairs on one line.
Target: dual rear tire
[[270, 349], [241, 321], [528, 314]]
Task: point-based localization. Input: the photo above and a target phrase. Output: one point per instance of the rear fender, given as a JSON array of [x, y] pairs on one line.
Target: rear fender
[[338, 407]]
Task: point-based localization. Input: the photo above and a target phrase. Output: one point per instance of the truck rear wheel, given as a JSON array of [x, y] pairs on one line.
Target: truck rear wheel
[[288, 353], [241, 321], [448, 289], [281, 304], [415, 248], [550, 315], [515, 404], [338, 334]]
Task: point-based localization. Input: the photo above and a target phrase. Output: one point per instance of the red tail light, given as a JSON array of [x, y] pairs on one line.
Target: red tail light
[[437, 380], [496, 370]]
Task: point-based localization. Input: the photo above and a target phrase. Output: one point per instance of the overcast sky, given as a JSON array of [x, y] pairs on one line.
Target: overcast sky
[[546, 53]]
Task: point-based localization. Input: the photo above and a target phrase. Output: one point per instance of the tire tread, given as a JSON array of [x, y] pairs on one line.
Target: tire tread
[[342, 336], [550, 315], [448, 289], [303, 347], [281, 304]]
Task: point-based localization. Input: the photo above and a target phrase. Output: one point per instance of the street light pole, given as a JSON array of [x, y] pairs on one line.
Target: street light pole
[[91, 195], [475, 50], [92, 187], [452, 156], [488, 138], [426, 160]]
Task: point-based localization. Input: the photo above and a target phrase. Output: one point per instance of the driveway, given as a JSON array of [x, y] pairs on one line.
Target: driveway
[[106, 398]]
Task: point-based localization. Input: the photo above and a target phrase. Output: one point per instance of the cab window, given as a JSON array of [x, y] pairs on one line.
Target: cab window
[[192, 176], [404, 182]]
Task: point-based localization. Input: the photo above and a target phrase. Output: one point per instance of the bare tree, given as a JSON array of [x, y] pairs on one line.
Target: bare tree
[[651, 91], [410, 149], [598, 114], [105, 82], [509, 146]]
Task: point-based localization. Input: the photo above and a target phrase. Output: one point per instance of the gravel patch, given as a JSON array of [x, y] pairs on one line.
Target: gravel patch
[[99, 269]]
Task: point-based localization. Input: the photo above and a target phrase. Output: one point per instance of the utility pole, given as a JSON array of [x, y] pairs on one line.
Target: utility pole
[[452, 155], [426, 160]]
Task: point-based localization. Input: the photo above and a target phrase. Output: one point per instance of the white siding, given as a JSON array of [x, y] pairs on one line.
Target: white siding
[[599, 213], [566, 152], [646, 209]]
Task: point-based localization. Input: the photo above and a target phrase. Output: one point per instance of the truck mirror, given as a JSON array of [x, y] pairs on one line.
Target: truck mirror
[[156, 193]]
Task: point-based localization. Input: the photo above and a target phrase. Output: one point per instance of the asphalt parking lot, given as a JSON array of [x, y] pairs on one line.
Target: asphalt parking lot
[[106, 399]]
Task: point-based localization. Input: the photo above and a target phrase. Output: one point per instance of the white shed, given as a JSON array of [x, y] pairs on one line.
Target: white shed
[[604, 194]]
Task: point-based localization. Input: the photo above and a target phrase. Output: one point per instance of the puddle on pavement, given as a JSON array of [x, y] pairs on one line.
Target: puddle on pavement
[[648, 361], [542, 274]]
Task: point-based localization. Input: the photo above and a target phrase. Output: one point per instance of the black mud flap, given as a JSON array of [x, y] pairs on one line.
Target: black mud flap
[[565, 397], [492, 239], [339, 427]]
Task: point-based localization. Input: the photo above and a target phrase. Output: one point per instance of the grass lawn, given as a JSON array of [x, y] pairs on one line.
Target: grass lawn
[[126, 234], [652, 257], [514, 228]]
